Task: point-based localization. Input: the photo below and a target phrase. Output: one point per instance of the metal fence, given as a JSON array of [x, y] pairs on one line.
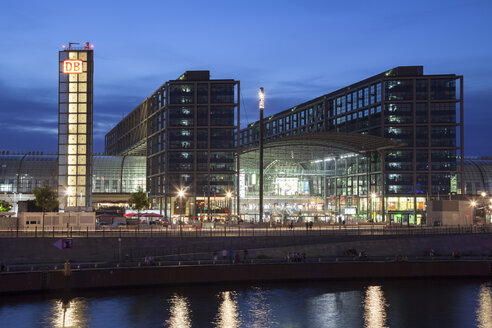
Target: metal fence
[[242, 230]]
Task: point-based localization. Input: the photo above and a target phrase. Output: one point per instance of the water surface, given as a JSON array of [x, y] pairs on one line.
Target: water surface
[[385, 303]]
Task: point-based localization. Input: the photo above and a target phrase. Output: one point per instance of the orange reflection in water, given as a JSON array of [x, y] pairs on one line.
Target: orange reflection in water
[[228, 315], [484, 310], [374, 308], [179, 312], [69, 313]]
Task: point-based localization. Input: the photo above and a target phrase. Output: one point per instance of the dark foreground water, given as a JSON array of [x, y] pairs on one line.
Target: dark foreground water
[[388, 303]]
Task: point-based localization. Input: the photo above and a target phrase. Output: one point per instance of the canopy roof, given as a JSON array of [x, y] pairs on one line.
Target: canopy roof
[[317, 146]]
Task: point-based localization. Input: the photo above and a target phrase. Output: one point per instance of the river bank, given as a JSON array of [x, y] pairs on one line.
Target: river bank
[[119, 277]]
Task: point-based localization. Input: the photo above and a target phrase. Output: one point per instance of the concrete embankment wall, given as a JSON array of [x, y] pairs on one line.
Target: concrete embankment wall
[[42, 250], [150, 276]]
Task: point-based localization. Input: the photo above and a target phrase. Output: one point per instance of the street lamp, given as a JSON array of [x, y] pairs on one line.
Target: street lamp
[[260, 137], [373, 197], [484, 207], [229, 195], [180, 195]]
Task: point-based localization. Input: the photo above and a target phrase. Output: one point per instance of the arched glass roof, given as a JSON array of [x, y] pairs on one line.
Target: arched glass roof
[[312, 147]]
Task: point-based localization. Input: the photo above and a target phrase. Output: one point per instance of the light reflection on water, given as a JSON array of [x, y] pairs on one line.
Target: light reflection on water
[[411, 303], [484, 310], [179, 313], [227, 316], [374, 308], [69, 313]]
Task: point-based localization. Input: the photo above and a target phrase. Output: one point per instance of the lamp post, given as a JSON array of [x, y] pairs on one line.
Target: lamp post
[[262, 107], [229, 195], [373, 197], [181, 195]]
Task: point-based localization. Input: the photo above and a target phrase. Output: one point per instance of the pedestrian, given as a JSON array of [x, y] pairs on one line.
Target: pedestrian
[[224, 254], [245, 254], [311, 225]]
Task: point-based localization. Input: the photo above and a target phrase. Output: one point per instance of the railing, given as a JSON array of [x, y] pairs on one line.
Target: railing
[[241, 230], [163, 262]]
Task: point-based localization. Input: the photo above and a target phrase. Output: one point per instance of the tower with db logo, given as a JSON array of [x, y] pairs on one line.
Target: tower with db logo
[[75, 113]]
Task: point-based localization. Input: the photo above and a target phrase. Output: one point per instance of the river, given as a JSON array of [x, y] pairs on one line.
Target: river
[[375, 303]]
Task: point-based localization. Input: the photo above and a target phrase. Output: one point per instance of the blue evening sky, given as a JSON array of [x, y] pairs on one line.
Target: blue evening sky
[[296, 50]]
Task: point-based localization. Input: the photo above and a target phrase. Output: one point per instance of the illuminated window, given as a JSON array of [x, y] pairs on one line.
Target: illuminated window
[[82, 77], [84, 67], [82, 149], [72, 118], [72, 169], [72, 108], [82, 108], [82, 128], [82, 139], [83, 56], [72, 97], [72, 55], [72, 138], [72, 180], [81, 181], [83, 97], [82, 159], [72, 128], [82, 118], [73, 77], [72, 87], [72, 159], [81, 170], [72, 149], [80, 190], [82, 87]]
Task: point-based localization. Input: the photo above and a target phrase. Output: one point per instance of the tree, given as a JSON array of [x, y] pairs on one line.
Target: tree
[[46, 198], [4, 206], [138, 200]]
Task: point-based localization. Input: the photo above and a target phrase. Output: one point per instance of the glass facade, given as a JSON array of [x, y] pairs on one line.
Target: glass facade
[[312, 179], [192, 124], [423, 112], [75, 128], [111, 174]]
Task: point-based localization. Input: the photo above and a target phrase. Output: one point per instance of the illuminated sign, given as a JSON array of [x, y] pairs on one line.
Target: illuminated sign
[[72, 66]]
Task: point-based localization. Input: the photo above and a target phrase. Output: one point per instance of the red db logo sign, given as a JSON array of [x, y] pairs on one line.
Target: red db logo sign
[[72, 66]]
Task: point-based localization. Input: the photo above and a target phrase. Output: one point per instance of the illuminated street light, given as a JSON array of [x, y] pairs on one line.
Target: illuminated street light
[[181, 193], [260, 137], [473, 203], [229, 195]]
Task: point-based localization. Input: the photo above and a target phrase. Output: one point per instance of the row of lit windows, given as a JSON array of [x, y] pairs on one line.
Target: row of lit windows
[[76, 149], [82, 77], [77, 139], [76, 170], [76, 180], [78, 55], [80, 97]]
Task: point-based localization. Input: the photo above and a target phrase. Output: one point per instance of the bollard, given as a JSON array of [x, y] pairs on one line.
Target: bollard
[[78, 266], [179, 263], [198, 262]]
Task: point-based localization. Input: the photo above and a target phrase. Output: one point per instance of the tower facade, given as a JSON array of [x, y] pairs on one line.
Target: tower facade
[[75, 115]]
